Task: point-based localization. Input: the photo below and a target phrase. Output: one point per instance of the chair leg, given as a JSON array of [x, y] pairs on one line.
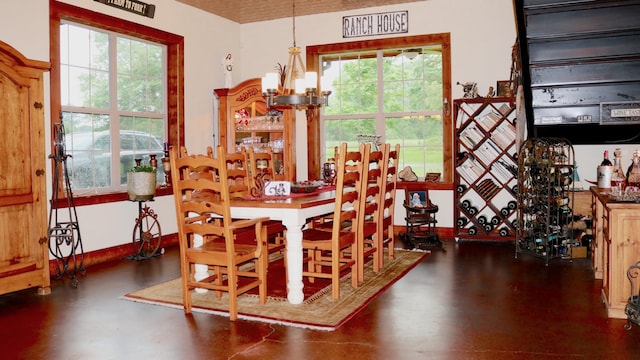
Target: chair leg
[[232, 283]]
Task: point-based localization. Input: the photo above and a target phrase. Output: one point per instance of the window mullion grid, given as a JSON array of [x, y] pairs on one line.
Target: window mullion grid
[[114, 115], [380, 116]]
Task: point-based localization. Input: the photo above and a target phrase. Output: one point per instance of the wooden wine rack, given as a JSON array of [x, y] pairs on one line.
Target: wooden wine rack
[[485, 173]]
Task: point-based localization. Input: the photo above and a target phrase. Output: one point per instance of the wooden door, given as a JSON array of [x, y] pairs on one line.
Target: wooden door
[[23, 204]]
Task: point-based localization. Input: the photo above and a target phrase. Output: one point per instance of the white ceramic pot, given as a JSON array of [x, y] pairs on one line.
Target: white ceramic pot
[[141, 186]]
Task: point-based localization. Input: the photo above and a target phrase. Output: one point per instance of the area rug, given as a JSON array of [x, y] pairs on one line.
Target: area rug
[[318, 310]]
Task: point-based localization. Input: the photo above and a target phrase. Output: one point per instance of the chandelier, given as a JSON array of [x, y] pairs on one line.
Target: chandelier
[[294, 86]]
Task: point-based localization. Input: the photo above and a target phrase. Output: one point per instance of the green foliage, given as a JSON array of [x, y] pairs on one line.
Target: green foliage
[[142, 168]]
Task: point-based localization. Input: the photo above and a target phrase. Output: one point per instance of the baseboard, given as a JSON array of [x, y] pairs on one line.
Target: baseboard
[[110, 254], [121, 251]]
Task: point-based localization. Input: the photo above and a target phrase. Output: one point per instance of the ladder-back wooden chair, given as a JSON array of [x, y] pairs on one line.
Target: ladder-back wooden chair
[[206, 232], [386, 233], [335, 250], [369, 209]]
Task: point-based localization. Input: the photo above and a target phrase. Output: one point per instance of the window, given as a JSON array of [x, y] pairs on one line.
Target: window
[[397, 89], [119, 96], [113, 108]]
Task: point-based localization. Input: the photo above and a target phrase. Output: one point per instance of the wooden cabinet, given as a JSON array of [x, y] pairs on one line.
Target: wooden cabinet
[[485, 173], [244, 120], [616, 246], [24, 255]]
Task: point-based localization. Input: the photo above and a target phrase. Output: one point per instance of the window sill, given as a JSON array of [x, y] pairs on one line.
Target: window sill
[[108, 198]]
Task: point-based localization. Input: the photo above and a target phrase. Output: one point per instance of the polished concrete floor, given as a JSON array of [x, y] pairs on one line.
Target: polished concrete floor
[[475, 301]]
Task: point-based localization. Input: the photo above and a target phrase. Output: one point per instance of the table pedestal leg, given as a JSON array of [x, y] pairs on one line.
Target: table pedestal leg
[[294, 263]]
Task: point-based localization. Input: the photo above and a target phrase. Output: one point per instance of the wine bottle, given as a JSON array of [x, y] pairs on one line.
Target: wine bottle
[[472, 210], [606, 161], [505, 211], [466, 204], [482, 219], [462, 221], [512, 205], [488, 227], [495, 220], [504, 231], [604, 172], [461, 188], [472, 230]]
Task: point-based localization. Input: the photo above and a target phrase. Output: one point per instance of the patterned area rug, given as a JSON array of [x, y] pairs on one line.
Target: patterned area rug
[[318, 311]]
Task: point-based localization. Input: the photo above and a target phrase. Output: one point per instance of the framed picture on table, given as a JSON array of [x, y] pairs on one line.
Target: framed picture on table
[[416, 198], [503, 88]]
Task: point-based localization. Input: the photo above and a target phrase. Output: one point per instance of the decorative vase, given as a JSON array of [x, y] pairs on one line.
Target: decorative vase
[[141, 186]]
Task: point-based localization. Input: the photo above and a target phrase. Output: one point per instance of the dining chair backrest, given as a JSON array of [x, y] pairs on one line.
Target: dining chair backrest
[[390, 177], [349, 172], [372, 189]]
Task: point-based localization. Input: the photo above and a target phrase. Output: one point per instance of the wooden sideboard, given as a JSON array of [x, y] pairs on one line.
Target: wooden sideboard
[[616, 246]]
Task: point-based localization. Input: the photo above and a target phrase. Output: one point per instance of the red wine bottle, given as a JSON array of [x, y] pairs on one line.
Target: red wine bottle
[[606, 161]]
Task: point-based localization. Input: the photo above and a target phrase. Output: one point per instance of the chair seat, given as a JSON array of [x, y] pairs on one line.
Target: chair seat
[[314, 238], [218, 246]]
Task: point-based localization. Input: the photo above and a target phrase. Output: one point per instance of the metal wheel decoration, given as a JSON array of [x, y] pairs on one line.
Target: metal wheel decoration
[[146, 233]]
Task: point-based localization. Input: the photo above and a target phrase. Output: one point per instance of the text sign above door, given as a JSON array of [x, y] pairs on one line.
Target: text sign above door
[[375, 24]]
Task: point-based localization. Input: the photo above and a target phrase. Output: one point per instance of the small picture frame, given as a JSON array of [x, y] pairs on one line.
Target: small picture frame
[[417, 198], [503, 88]]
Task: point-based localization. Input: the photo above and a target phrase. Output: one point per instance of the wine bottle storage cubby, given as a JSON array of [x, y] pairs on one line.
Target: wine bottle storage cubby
[[486, 169], [545, 180]]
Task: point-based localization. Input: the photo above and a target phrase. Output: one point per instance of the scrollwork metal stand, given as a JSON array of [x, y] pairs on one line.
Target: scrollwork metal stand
[[65, 242], [147, 234]]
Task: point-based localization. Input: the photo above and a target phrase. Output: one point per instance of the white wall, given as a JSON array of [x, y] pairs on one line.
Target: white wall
[[482, 33]]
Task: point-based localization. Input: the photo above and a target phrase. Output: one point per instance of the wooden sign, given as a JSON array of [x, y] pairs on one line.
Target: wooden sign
[[134, 6], [375, 24]]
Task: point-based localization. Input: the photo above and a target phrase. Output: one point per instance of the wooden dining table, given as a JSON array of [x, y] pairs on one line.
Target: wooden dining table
[[293, 211]]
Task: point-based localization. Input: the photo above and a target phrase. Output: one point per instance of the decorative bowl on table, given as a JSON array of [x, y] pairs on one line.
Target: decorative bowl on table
[[305, 186]]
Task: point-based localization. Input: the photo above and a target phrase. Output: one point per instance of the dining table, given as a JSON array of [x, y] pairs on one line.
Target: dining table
[[293, 211]]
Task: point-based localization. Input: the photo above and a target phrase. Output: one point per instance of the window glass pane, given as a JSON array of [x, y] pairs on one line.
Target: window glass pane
[[88, 141], [421, 140], [140, 73]]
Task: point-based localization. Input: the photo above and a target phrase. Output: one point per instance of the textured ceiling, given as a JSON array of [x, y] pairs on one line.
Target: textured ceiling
[[247, 11]]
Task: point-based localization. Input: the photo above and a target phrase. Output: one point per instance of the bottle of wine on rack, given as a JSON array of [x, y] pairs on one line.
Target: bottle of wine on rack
[[504, 231], [462, 221], [472, 230]]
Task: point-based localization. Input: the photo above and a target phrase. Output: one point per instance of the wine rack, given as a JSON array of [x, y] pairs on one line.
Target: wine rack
[[486, 169], [545, 180]]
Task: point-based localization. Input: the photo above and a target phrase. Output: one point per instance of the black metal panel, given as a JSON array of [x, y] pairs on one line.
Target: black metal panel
[[580, 95], [586, 73], [572, 22], [571, 50]]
